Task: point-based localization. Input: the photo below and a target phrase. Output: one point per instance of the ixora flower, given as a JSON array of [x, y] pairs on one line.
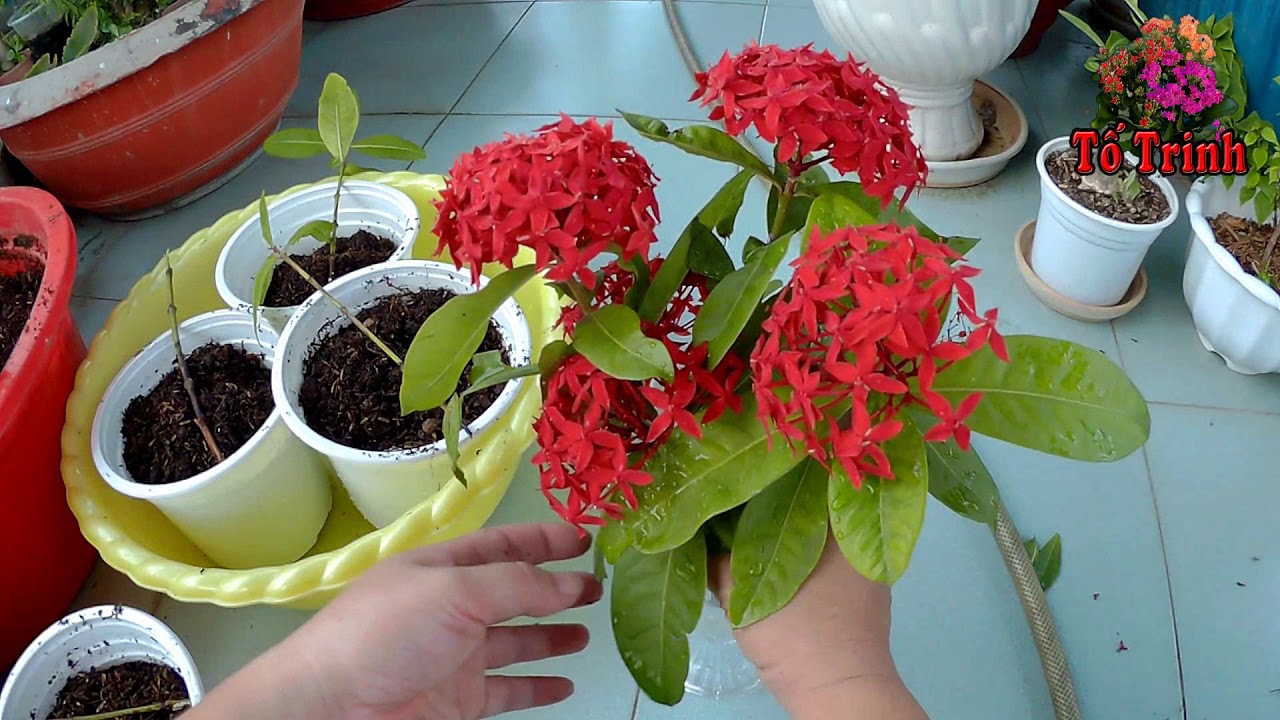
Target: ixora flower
[[696, 398]]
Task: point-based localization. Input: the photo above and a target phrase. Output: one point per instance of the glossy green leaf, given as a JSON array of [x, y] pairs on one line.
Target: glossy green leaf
[[485, 363], [724, 527], [611, 339], [707, 254], [449, 338], [339, 115], [962, 245], [833, 211], [498, 375], [349, 169], [83, 35], [321, 230], [656, 601], [878, 524], [666, 282], [703, 140], [721, 213], [958, 478], [796, 217], [1032, 548], [389, 147], [730, 305], [555, 353], [452, 429], [751, 248], [1048, 562], [295, 143], [777, 543]]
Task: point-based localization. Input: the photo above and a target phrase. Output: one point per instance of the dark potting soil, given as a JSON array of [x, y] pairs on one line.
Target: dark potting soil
[[351, 391], [356, 252], [122, 687], [17, 297], [163, 444], [1149, 207], [1247, 241]]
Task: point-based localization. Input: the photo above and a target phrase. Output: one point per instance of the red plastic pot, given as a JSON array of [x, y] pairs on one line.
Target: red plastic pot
[[152, 120], [346, 9], [43, 557], [1046, 15]]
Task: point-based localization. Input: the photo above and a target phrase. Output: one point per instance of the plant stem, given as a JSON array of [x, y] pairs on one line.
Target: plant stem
[[580, 294], [187, 383], [784, 204], [337, 203], [341, 308], [170, 705], [1271, 244]]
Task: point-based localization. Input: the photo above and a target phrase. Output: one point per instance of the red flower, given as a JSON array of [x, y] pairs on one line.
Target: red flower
[[856, 336], [570, 192], [812, 104]]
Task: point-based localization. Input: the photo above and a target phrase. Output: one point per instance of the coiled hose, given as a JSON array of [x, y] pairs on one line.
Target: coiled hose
[[1053, 658]]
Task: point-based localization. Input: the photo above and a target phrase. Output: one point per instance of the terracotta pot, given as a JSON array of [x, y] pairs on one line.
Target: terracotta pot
[[1046, 15], [151, 121], [345, 9]]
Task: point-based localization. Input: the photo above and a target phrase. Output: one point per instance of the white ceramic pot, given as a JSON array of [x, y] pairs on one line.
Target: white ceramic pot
[[1236, 314], [1085, 256], [378, 208], [99, 637], [385, 485], [264, 504], [931, 51]]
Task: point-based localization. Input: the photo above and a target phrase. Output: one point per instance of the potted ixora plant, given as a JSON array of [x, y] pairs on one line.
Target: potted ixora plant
[[332, 229], [103, 662], [1232, 277], [694, 398]]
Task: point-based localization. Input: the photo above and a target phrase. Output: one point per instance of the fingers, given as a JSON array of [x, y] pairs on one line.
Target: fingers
[[534, 543], [508, 694], [529, 643], [494, 594]]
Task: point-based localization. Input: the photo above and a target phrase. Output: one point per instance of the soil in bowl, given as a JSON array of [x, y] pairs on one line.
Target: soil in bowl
[[163, 444], [350, 390], [355, 252], [994, 138], [1150, 206], [136, 684], [1248, 242], [17, 297]]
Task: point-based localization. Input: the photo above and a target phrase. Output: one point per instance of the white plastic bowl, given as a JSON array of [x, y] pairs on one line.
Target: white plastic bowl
[[1085, 256], [264, 504], [385, 485], [378, 208], [98, 637]]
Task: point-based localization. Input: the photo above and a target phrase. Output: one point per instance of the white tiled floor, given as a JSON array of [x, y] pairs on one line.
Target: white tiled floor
[[1183, 530]]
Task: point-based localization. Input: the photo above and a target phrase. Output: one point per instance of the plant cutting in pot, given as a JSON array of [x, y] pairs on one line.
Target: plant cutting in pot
[[190, 426], [334, 229], [699, 406]]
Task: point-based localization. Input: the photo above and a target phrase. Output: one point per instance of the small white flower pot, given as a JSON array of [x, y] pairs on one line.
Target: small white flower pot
[[385, 485], [264, 504], [1236, 314], [378, 208], [1083, 255], [99, 637]]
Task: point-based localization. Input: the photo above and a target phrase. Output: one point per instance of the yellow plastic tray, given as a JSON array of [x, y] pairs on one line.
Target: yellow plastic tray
[[134, 538]]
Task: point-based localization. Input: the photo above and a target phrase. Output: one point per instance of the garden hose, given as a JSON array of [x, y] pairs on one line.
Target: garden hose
[[1044, 631]]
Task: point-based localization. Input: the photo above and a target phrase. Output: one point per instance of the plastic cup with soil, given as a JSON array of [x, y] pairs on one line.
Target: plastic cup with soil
[[20, 278], [1126, 197], [233, 479], [1251, 243], [376, 224], [341, 394], [106, 659]]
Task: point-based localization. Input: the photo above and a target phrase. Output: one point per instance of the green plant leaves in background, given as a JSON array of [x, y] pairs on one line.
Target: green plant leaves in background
[[833, 211], [339, 114], [777, 543], [83, 35], [878, 524], [1046, 560], [707, 254], [730, 305], [389, 147], [656, 602], [958, 478], [295, 144], [1053, 396], [702, 140], [612, 340]]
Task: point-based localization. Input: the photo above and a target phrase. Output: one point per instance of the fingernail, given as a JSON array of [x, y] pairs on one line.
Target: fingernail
[[592, 591]]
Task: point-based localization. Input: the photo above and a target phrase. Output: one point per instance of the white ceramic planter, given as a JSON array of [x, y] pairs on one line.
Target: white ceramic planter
[[385, 485], [264, 504], [931, 51], [1236, 314], [1087, 257], [99, 637], [378, 208]]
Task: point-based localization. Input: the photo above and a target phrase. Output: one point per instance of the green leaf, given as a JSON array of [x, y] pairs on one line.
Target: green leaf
[[779, 539], [877, 525], [1048, 562], [485, 363], [724, 527], [1033, 549], [499, 374], [797, 212], [42, 65], [389, 147], [452, 430], [611, 339], [656, 602], [1259, 156], [721, 213], [600, 565], [1053, 396], [349, 169], [83, 35], [321, 230], [261, 284], [702, 140], [1269, 133], [730, 305], [339, 114], [295, 143], [832, 211], [958, 478], [555, 353], [1083, 27], [666, 282], [448, 339], [962, 245], [707, 254], [751, 248]]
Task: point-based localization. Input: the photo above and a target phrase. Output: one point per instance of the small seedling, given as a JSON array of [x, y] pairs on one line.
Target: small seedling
[[1045, 559], [1130, 186], [83, 35], [188, 383]]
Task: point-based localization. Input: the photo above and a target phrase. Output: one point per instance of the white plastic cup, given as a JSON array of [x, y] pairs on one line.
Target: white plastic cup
[[1087, 257], [99, 637], [385, 485], [265, 504], [378, 208]]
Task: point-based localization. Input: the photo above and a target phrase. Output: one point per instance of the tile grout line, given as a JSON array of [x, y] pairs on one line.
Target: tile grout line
[[1168, 580]]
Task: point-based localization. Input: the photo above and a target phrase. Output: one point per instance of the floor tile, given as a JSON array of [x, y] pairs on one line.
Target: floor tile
[[1217, 493], [411, 59], [596, 57], [1065, 91], [90, 315]]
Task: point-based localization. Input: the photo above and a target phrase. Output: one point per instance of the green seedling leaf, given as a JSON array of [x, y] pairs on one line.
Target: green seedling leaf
[[83, 35], [1048, 562], [702, 140], [339, 114], [452, 436], [349, 169], [321, 230], [730, 305], [499, 375], [389, 147], [485, 363], [295, 144], [612, 340], [262, 283]]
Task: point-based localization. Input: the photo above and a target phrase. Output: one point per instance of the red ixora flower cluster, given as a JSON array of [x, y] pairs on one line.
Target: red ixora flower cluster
[[824, 355], [596, 432], [816, 107], [570, 192]]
